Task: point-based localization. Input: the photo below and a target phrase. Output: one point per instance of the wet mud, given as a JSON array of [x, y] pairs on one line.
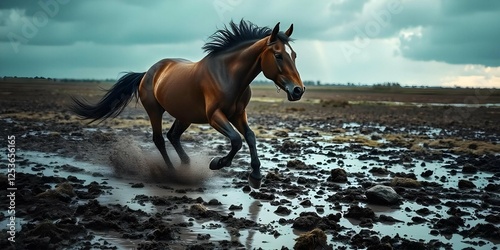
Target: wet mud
[[353, 176]]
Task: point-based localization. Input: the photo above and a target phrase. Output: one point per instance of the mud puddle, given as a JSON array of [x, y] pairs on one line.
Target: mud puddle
[[204, 206]]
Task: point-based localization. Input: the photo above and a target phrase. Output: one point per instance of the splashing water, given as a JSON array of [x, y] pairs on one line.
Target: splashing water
[[130, 160]]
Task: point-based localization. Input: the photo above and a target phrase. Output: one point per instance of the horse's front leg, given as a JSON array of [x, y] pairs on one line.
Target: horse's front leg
[[241, 123], [220, 122]]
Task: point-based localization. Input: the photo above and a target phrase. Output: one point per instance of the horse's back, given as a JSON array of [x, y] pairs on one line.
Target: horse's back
[[176, 85]]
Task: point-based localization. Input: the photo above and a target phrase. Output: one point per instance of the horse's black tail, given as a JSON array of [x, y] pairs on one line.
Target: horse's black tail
[[113, 103]]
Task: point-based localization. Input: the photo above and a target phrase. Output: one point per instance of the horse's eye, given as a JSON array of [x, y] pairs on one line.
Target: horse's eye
[[278, 56]]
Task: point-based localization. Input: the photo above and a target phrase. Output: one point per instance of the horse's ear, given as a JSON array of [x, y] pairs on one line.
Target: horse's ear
[[289, 31], [274, 34]]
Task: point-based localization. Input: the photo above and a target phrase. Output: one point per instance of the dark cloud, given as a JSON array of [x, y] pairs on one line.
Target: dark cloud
[[463, 34], [108, 35], [30, 7], [60, 22], [466, 7]]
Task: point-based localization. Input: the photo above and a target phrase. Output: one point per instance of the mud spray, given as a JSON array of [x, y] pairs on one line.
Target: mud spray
[[131, 160]]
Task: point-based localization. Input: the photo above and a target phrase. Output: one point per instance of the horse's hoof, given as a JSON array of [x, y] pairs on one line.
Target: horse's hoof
[[186, 161], [254, 182], [215, 163]]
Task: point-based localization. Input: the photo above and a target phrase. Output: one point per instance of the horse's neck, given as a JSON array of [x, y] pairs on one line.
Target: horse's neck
[[244, 65], [249, 59]]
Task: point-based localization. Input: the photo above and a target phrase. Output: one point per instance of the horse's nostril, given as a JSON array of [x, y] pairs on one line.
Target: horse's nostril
[[297, 90]]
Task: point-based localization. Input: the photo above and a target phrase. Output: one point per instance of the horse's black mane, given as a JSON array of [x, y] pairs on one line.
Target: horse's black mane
[[227, 38]]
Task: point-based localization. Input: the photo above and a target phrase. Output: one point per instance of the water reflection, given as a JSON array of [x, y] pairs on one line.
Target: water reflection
[[253, 211]]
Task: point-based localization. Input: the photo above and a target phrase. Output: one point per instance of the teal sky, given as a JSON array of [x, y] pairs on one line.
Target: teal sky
[[420, 42]]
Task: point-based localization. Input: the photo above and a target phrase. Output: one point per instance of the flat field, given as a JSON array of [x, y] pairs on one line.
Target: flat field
[[104, 185]]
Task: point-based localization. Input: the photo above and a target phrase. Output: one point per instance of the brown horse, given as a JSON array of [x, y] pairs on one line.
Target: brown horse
[[215, 90]]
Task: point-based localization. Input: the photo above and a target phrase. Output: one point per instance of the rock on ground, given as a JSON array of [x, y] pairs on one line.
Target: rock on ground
[[405, 182], [382, 195], [338, 175], [314, 239]]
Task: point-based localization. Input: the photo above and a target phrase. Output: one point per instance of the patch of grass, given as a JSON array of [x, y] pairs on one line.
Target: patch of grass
[[475, 147], [455, 145], [402, 140], [356, 139]]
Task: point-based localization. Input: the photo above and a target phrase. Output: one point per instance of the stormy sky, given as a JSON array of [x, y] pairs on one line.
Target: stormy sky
[[419, 42]]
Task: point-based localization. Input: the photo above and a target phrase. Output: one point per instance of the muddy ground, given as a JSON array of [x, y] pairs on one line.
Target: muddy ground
[[104, 186]]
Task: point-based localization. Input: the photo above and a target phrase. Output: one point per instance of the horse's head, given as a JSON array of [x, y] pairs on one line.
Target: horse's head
[[278, 64]]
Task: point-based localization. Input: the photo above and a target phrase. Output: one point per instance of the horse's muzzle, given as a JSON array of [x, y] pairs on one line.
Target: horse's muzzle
[[295, 92]]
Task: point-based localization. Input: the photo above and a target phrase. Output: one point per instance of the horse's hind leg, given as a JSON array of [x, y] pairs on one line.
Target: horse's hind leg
[[155, 113], [174, 136]]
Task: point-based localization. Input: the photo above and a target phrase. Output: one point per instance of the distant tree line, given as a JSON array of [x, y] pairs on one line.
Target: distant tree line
[[387, 85]]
